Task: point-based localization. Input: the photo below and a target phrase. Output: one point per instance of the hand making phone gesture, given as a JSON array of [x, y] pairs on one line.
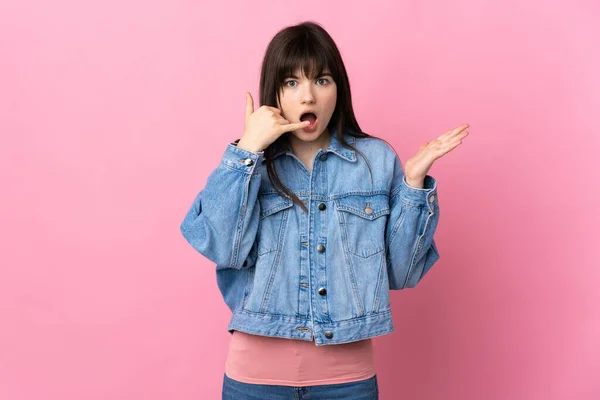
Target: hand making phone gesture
[[264, 126]]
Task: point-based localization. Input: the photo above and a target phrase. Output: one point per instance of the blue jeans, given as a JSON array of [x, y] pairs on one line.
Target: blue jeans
[[366, 389]]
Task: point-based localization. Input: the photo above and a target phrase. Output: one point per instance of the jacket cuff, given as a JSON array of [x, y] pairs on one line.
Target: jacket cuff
[[240, 159], [427, 196]]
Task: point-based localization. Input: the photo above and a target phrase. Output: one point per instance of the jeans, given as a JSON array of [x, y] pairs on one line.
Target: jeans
[[366, 389]]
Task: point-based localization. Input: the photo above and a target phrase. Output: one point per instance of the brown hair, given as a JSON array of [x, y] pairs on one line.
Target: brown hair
[[309, 47]]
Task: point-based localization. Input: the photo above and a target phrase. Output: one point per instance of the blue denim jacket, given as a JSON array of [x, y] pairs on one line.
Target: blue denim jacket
[[323, 275]]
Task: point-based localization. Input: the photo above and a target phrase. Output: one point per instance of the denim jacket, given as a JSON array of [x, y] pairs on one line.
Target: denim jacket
[[324, 275]]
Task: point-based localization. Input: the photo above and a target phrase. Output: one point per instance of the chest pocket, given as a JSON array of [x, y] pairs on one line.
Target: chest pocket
[[362, 221], [274, 211]]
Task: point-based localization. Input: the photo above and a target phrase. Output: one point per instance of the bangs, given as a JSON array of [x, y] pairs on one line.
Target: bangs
[[310, 58]]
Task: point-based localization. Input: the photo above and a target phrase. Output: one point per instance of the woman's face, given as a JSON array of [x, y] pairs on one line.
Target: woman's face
[[301, 95]]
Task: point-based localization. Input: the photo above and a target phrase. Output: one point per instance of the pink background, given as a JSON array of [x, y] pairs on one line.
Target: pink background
[[113, 114]]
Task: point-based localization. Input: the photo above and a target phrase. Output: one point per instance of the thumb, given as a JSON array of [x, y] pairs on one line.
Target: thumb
[[249, 105]]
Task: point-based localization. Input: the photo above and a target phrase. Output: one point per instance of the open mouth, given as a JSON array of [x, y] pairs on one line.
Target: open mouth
[[312, 118]]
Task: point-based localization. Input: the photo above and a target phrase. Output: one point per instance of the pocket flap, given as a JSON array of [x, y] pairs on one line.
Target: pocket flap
[[365, 206], [272, 203]]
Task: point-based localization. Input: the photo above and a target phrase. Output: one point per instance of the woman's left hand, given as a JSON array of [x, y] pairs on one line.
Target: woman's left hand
[[416, 168]]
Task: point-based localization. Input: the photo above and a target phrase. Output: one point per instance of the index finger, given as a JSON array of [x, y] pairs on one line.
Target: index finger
[[455, 131], [460, 128]]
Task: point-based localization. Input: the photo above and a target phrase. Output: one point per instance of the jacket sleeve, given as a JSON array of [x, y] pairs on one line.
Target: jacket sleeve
[[414, 215], [223, 220]]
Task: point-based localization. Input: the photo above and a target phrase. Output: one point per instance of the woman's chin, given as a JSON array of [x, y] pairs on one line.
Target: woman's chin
[[308, 136]]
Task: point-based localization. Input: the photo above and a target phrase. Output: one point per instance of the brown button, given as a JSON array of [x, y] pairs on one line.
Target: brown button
[[322, 206], [320, 248], [323, 156], [328, 334], [322, 291]]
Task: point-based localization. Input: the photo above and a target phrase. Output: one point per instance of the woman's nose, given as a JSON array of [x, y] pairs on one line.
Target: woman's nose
[[307, 94]]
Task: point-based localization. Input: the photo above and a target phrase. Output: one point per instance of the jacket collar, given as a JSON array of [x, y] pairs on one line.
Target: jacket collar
[[334, 147]]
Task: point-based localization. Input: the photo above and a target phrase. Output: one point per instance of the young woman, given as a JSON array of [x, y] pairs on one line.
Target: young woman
[[311, 222]]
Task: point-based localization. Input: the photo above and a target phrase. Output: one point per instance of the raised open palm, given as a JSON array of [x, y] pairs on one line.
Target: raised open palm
[[417, 167]]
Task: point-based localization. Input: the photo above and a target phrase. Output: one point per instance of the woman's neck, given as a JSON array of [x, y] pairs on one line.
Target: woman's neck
[[306, 151]]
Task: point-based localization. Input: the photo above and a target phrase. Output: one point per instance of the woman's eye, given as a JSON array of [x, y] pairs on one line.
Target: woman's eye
[[320, 81]]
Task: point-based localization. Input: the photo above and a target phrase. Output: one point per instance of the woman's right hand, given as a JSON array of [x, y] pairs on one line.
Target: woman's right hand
[[263, 126]]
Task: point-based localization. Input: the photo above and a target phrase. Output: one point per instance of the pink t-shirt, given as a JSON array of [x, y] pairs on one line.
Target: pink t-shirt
[[279, 361]]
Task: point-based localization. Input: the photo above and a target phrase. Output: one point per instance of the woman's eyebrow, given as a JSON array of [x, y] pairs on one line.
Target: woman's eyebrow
[[318, 76]]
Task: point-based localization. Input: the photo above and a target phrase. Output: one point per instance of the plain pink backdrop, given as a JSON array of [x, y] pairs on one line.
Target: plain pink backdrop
[[113, 114]]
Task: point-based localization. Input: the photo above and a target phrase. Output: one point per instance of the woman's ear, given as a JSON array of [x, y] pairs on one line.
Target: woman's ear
[[279, 106]]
